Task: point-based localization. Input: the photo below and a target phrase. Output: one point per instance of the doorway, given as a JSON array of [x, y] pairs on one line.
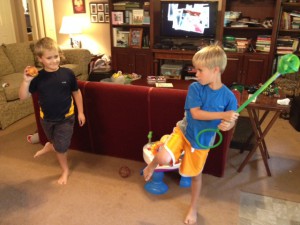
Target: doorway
[[27, 20]]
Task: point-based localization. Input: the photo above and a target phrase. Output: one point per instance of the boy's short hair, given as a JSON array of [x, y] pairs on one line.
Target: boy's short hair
[[211, 56], [43, 44]]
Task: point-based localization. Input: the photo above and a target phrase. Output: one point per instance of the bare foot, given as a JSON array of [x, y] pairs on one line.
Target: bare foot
[[191, 217], [148, 171], [63, 178], [47, 148]]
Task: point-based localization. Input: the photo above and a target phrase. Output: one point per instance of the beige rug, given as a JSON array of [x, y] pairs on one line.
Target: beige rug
[[258, 209]]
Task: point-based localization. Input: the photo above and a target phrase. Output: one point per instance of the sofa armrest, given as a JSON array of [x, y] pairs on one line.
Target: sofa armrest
[[79, 56]]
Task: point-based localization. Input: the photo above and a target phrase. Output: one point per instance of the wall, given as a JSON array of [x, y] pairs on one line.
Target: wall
[[7, 31], [95, 37]]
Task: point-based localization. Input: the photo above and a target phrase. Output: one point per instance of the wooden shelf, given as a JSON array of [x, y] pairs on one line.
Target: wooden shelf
[[290, 30], [125, 25], [290, 5], [248, 28]]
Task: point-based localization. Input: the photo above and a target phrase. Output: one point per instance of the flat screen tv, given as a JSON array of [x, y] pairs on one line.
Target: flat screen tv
[[189, 19]]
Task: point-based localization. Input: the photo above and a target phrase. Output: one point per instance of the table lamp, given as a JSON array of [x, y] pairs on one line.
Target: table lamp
[[70, 26]]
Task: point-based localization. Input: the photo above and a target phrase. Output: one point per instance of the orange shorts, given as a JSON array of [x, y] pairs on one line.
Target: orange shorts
[[193, 160]]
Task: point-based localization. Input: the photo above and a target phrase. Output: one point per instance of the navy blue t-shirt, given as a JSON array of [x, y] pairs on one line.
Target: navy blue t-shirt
[[55, 93]]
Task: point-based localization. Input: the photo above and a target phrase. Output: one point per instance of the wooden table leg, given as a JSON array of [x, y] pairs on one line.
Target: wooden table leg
[[260, 136]]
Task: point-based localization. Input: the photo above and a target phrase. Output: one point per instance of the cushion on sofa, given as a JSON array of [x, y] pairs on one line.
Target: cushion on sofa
[[74, 67], [5, 66], [20, 55], [12, 90]]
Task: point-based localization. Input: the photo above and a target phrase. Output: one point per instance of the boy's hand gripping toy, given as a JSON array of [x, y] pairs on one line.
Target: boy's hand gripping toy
[[288, 63]]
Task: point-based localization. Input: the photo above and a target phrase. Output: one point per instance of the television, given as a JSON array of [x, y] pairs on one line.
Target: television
[[189, 19]]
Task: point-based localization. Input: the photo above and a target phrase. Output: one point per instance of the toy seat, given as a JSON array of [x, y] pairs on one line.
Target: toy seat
[[157, 185]]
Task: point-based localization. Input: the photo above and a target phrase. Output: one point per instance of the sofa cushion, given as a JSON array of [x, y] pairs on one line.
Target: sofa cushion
[[13, 82], [5, 66], [20, 55], [74, 67]]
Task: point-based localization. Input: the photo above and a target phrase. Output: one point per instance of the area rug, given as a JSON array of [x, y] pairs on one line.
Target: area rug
[[258, 209]]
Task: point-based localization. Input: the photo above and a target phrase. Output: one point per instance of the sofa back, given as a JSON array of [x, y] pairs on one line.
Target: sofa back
[[119, 118], [20, 55]]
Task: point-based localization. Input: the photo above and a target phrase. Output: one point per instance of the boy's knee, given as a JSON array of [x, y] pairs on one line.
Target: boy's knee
[[164, 157]]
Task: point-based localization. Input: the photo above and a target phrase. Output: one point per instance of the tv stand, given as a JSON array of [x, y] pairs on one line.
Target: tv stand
[[160, 54]]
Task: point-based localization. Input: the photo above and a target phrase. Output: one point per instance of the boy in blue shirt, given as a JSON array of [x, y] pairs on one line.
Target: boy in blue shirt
[[209, 104]]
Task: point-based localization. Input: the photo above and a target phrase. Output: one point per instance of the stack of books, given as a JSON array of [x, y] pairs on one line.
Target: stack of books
[[229, 44], [263, 43], [287, 44], [242, 44], [126, 5]]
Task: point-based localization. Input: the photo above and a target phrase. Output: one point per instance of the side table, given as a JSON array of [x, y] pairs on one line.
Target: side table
[[99, 74]]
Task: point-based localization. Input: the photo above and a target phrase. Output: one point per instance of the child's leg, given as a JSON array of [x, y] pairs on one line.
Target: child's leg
[[62, 159], [47, 148], [191, 217], [161, 158]]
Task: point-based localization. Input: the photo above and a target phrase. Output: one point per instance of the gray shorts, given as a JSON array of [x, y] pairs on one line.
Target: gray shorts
[[59, 133]]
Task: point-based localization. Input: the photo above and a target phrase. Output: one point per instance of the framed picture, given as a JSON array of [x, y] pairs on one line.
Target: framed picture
[[135, 37], [101, 17], [106, 18], [93, 8], [78, 6], [94, 18], [98, 12], [117, 18], [100, 7], [106, 9]]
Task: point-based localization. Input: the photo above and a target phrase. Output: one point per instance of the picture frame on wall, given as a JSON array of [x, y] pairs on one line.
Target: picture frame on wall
[[98, 12], [135, 37], [100, 7], [101, 17], [94, 18], [78, 6], [106, 18], [93, 8], [106, 8]]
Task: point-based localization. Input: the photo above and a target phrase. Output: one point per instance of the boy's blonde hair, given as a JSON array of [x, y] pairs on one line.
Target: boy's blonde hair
[[211, 56], [43, 44]]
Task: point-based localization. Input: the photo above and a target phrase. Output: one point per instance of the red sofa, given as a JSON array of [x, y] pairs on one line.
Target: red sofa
[[119, 118]]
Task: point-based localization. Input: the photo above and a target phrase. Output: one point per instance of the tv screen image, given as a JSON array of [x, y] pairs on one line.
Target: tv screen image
[[189, 19]]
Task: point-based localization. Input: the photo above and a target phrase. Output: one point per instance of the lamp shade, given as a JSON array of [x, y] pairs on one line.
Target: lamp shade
[[70, 25]]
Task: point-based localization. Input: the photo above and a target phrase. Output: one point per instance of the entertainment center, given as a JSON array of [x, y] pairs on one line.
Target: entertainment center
[[176, 31]]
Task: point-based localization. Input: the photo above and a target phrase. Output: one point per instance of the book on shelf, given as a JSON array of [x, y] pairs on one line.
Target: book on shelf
[[262, 48], [285, 21], [115, 33], [264, 37], [296, 24], [146, 19], [295, 13], [137, 16], [237, 24], [283, 52], [146, 6]]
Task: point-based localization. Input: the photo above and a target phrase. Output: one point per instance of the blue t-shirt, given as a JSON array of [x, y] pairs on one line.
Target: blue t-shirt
[[55, 93], [203, 96]]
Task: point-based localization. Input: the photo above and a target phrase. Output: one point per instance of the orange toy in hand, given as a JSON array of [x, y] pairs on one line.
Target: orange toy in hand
[[32, 71]]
